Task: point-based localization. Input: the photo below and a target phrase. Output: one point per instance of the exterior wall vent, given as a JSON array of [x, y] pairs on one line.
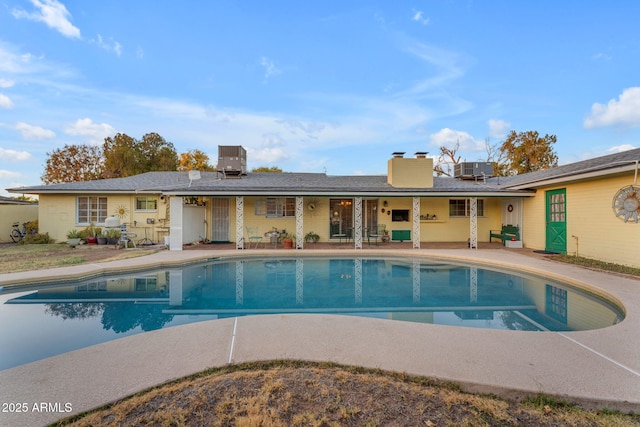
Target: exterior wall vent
[[473, 170], [232, 160]]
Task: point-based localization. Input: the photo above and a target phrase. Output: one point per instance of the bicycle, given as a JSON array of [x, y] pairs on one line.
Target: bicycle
[[18, 234]]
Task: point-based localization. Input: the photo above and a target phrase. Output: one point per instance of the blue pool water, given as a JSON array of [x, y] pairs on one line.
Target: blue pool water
[[52, 319]]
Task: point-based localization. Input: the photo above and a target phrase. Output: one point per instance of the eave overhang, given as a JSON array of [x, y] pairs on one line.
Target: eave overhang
[[586, 175]]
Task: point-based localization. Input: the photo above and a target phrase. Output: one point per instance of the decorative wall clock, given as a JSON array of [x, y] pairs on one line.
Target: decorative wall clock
[[626, 204]]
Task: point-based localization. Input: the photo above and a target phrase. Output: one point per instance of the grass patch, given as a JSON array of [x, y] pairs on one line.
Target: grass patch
[[292, 393], [598, 265]]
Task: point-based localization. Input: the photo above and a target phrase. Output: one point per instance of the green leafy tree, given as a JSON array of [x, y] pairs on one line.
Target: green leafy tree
[[157, 154], [73, 163], [272, 169], [125, 156], [528, 152], [195, 160]]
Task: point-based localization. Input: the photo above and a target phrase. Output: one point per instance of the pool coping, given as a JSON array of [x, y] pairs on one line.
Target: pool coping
[[595, 369]]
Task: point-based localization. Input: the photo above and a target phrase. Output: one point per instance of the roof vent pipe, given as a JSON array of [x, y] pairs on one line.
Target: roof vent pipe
[[398, 154]]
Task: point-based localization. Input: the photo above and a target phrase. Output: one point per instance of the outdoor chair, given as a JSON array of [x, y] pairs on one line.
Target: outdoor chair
[[375, 234], [254, 236]]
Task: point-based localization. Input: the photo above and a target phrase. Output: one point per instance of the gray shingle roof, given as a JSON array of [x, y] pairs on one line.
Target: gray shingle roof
[[178, 183], [572, 169]]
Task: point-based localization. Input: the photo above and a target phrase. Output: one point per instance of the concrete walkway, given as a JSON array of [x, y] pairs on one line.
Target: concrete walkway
[[599, 368]]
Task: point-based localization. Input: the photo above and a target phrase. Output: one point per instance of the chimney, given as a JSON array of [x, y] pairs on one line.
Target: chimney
[[410, 173]]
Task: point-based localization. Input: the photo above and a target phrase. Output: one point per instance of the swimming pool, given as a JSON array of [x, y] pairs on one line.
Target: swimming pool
[[52, 319]]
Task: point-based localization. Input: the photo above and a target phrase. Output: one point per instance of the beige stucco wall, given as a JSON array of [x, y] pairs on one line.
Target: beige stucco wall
[[57, 214], [15, 213], [590, 217]]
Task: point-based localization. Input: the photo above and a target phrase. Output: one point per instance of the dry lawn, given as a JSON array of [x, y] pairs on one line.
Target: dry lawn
[[307, 394], [15, 257]]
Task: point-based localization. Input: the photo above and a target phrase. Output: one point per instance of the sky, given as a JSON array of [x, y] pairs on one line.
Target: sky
[[316, 86]]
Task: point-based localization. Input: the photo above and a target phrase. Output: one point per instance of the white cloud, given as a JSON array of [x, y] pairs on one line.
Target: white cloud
[[34, 132], [620, 148], [53, 13], [268, 156], [498, 128], [110, 46], [13, 155], [5, 83], [448, 66], [96, 132], [270, 69], [5, 102], [449, 138], [601, 57], [622, 112], [139, 53], [418, 16], [8, 174]]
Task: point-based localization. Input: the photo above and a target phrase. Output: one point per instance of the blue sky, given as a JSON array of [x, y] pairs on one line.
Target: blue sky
[[315, 86]]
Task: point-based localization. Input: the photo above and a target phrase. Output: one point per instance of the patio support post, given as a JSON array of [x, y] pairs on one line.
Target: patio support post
[[240, 282], [416, 223], [175, 288], [358, 223], [239, 222], [473, 220], [299, 222], [175, 232]]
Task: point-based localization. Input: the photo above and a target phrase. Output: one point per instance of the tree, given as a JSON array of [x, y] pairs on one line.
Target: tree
[[496, 156], [195, 160], [157, 154], [73, 163], [272, 169], [120, 156], [528, 152], [125, 156], [448, 157]]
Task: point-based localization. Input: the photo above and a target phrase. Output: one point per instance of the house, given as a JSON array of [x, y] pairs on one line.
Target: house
[[590, 208]]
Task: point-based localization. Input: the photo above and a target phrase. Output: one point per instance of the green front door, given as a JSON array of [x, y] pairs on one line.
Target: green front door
[[556, 221]]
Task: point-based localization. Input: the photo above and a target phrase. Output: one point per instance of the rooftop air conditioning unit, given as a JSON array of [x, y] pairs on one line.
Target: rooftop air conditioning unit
[[232, 160], [473, 170]]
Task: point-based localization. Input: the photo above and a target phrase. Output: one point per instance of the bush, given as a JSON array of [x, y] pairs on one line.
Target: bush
[[32, 227], [38, 239]]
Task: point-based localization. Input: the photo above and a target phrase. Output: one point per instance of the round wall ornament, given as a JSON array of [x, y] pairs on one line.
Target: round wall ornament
[[626, 204], [121, 211], [311, 206], [510, 207]]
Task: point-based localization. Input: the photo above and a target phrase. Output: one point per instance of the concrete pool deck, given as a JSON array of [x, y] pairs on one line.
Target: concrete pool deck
[[599, 368]]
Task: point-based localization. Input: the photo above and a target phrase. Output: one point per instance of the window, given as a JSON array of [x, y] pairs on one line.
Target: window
[[556, 305], [462, 207], [91, 209], [146, 203], [146, 284], [281, 206]]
